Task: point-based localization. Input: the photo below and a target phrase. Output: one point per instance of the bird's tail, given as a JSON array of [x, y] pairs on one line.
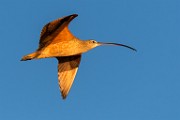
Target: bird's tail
[[30, 56]]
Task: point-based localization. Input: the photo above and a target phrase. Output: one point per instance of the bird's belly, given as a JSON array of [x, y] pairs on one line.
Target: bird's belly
[[57, 50]]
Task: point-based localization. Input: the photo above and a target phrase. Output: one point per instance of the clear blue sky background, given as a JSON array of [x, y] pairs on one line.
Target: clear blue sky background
[[112, 83]]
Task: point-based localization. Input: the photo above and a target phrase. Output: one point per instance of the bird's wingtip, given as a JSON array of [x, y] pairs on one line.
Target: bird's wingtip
[[64, 96], [74, 15]]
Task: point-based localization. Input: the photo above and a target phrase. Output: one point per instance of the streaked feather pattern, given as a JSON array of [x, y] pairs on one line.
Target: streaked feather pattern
[[56, 31], [67, 69]]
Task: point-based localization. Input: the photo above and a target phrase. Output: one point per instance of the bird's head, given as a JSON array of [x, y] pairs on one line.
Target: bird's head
[[91, 43]]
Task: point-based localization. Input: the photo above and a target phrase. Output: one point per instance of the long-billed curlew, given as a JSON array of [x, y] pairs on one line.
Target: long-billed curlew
[[57, 41]]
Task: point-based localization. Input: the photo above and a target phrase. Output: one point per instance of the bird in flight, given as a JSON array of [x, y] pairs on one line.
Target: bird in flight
[[56, 41]]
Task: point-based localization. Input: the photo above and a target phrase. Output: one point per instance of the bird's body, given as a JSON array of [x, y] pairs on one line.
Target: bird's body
[[57, 41], [60, 49]]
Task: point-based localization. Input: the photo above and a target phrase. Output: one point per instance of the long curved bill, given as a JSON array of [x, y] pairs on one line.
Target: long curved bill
[[116, 44]]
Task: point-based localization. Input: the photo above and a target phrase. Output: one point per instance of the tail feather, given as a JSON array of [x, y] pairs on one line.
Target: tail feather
[[29, 56]]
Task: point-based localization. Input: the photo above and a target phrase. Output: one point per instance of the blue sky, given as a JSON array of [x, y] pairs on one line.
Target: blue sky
[[112, 82]]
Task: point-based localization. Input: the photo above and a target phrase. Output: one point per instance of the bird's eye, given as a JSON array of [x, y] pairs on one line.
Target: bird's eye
[[93, 41]]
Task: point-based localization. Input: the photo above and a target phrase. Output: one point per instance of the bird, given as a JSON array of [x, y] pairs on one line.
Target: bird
[[56, 41]]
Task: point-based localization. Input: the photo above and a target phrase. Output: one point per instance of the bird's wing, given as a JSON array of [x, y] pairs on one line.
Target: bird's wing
[[67, 69], [56, 31]]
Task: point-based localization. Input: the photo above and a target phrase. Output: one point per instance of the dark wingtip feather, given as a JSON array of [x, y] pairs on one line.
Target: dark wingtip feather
[[75, 15]]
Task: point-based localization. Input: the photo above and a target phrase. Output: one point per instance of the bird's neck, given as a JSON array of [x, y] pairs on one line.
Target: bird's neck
[[83, 46]]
